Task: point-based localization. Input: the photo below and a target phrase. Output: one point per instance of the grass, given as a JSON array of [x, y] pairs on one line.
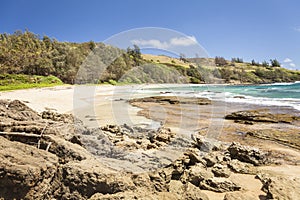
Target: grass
[[20, 81]]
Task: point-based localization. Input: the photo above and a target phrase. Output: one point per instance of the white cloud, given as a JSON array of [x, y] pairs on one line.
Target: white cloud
[[289, 63], [183, 41], [152, 43], [287, 60], [292, 64], [176, 41]]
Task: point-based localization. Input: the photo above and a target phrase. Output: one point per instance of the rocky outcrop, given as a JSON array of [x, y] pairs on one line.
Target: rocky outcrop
[[219, 185], [263, 115], [279, 187], [173, 100], [247, 154], [54, 156]]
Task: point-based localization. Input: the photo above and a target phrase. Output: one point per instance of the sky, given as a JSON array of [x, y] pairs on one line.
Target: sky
[[256, 29]]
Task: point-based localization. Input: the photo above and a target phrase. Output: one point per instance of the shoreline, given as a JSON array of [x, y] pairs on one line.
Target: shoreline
[[105, 105]]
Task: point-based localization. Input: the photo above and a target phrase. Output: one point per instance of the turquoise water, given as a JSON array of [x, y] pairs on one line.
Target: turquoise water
[[279, 94]]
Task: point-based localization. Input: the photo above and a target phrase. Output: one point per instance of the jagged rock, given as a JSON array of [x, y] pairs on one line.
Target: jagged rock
[[205, 144], [112, 128], [262, 115], [163, 135], [66, 118], [221, 171], [89, 177], [241, 167], [219, 185], [159, 181], [187, 191], [247, 154], [16, 110], [25, 171], [198, 173], [280, 187], [194, 156], [210, 159]]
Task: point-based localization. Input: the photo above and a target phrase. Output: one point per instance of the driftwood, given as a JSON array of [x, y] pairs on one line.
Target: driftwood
[[21, 134]]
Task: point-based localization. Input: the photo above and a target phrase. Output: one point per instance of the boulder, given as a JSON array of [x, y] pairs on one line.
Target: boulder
[[186, 191], [16, 110], [221, 171], [205, 144], [279, 187], [219, 185], [198, 173], [240, 167], [26, 172], [210, 159], [247, 154]]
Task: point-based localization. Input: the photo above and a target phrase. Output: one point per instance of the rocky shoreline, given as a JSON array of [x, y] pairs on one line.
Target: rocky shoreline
[[50, 155]]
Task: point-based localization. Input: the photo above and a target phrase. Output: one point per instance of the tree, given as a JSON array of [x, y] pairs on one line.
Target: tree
[[182, 57], [254, 63], [220, 61], [274, 63], [237, 60], [265, 64]]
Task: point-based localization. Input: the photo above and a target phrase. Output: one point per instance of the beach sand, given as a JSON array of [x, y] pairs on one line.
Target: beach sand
[[94, 105]]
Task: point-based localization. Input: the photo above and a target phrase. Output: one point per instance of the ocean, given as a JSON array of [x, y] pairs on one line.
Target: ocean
[[277, 94]]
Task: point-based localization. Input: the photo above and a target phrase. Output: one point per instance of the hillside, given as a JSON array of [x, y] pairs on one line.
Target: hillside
[[29, 54], [198, 69]]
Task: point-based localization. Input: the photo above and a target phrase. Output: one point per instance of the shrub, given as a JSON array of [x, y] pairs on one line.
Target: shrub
[[220, 61], [275, 63]]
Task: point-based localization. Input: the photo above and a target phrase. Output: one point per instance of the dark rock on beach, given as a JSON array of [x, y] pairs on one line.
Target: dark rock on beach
[[262, 115], [173, 100]]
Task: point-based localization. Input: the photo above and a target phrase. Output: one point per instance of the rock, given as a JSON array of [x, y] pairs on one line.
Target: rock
[[173, 100], [210, 159], [16, 110], [241, 167], [205, 144], [261, 115], [163, 135], [219, 185], [26, 172], [198, 173], [239, 97], [137, 194], [194, 156], [280, 187], [66, 118], [221, 171], [247, 154], [89, 177], [240, 195], [112, 128], [187, 191]]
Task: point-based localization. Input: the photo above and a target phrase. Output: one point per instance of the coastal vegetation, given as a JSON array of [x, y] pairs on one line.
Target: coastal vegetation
[[27, 59], [21, 81]]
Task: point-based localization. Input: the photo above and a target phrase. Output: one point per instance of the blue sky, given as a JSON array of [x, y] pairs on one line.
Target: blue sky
[[256, 29]]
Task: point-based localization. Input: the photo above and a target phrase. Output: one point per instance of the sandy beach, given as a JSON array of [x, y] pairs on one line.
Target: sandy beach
[[91, 104]]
